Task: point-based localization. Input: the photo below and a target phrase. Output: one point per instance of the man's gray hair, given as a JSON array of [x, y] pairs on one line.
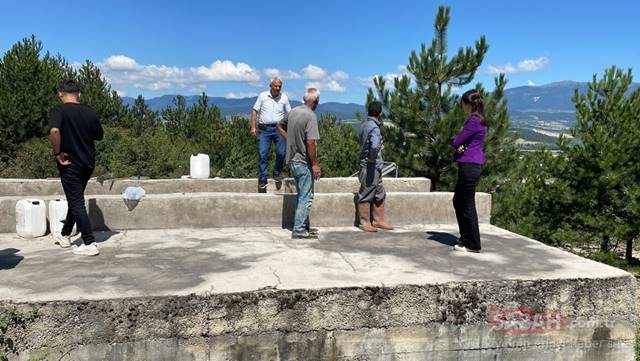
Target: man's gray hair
[[311, 95], [276, 79]]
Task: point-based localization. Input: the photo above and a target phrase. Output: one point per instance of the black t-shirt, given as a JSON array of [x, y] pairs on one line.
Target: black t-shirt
[[79, 128]]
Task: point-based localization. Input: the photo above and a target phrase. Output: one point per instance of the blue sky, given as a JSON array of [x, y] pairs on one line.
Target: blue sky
[[233, 48]]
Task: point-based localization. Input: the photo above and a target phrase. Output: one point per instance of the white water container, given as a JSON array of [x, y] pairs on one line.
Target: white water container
[[57, 214], [199, 166], [31, 218]]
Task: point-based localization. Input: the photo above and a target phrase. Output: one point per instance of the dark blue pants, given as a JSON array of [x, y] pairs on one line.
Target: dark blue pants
[[74, 179], [266, 136], [464, 202]]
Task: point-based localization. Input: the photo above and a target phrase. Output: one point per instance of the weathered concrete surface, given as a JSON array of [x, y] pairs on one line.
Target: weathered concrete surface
[[176, 210], [255, 294], [46, 187]]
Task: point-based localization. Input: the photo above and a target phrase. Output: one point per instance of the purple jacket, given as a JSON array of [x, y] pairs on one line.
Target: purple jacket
[[472, 136]]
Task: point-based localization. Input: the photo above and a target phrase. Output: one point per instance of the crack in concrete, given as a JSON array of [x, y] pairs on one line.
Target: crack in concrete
[[348, 262], [277, 277]]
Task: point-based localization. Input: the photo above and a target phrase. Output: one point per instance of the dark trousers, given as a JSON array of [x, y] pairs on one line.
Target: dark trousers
[[74, 179], [464, 202]]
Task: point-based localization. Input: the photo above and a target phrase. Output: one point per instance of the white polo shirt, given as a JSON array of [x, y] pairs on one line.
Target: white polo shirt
[[271, 110]]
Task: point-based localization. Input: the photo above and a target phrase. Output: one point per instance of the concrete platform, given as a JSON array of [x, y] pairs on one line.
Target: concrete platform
[[49, 187], [218, 209], [255, 294]]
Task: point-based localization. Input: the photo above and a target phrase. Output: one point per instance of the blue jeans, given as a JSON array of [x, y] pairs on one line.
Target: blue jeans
[[266, 136], [304, 186]]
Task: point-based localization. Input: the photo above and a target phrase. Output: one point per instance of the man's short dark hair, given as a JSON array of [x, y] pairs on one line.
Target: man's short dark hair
[[375, 108], [69, 86]]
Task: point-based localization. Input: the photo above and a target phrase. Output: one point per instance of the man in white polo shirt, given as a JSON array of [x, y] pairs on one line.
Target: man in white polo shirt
[[270, 108]]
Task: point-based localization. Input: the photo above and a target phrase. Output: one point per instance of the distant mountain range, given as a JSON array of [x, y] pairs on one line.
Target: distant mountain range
[[545, 106], [243, 106]]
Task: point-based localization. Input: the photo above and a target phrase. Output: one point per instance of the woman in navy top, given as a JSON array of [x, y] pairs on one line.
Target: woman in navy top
[[469, 155]]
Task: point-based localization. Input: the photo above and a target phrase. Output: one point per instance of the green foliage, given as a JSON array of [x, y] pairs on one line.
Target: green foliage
[[97, 94], [33, 160], [338, 147], [153, 154], [606, 176], [586, 196], [419, 141], [28, 84]]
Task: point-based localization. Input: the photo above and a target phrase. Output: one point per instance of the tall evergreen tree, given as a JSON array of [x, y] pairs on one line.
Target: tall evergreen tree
[[141, 117], [606, 172], [97, 93], [28, 84], [418, 137]]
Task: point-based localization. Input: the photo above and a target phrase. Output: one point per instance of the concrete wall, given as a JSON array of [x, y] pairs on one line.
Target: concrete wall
[[177, 210], [45, 187], [431, 322]]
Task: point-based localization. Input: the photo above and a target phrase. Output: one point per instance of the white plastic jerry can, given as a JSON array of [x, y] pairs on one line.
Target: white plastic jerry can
[[199, 166], [31, 218], [57, 214]]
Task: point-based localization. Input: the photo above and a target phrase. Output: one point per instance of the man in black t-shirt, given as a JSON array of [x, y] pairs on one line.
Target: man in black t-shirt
[[73, 129]]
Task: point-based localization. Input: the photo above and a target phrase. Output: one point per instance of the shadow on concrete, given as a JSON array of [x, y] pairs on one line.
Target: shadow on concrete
[[9, 259], [447, 239], [502, 257], [104, 236], [289, 203], [147, 268], [96, 217], [356, 213]]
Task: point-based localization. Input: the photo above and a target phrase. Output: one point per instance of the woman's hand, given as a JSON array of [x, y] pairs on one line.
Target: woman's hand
[[461, 149]]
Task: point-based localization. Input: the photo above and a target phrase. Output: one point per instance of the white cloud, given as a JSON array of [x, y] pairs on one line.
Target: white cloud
[[121, 70], [121, 93], [339, 76], [329, 86], [531, 83], [232, 95], [155, 86], [227, 71], [281, 74], [313, 72], [121, 63], [389, 77], [526, 65]]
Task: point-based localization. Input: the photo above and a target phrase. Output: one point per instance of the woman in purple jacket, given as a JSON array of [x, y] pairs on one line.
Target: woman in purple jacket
[[470, 157]]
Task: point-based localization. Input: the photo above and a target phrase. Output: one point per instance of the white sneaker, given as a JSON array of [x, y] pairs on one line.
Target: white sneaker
[[84, 250], [62, 241]]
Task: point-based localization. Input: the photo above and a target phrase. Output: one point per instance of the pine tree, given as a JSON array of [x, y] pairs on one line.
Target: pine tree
[[141, 117], [28, 84], [605, 174], [97, 93], [418, 137]]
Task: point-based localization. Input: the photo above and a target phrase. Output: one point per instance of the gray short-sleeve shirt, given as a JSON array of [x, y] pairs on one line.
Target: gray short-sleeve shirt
[[301, 125]]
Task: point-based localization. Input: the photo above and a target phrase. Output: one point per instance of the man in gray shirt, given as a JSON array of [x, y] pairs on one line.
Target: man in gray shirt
[[371, 195], [300, 128]]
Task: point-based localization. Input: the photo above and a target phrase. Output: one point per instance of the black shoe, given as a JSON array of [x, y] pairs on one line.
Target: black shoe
[[313, 230], [262, 187], [303, 235]]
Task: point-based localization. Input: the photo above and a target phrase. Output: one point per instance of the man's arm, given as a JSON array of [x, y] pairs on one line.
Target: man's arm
[[281, 127], [282, 130], [54, 136], [375, 144], [254, 116], [312, 152]]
